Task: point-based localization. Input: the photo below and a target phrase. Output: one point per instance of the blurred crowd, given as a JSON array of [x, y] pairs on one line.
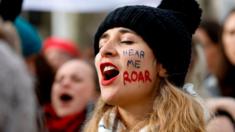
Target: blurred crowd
[[213, 70], [49, 85]]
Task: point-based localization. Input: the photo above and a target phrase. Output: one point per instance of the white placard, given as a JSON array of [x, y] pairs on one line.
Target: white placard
[[82, 6]]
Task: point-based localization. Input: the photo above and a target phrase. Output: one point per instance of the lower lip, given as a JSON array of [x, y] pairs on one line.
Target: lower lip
[[65, 103], [108, 82]]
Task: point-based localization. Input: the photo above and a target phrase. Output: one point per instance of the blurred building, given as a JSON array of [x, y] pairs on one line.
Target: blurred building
[[78, 19]]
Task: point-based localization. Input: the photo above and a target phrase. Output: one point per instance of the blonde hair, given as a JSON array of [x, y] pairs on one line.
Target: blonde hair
[[173, 111]]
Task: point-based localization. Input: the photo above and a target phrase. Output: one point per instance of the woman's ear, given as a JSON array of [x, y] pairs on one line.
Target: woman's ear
[[161, 71]]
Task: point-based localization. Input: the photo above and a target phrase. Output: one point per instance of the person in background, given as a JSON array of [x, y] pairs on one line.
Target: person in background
[[208, 36], [17, 99], [41, 71], [9, 10], [228, 41], [142, 57], [223, 107], [57, 51], [73, 90], [10, 36], [30, 41]]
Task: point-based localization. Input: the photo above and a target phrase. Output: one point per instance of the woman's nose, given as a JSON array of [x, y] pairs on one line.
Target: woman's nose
[[65, 83], [108, 49]]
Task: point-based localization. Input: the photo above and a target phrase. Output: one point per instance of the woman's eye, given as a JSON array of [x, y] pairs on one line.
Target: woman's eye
[[127, 42], [100, 46], [58, 80], [232, 32], [77, 79]]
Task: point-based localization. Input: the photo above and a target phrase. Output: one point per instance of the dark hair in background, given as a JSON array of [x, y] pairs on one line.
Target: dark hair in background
[[227, 83], [213, 30], [45, 78], [97, 86], [10, 9]]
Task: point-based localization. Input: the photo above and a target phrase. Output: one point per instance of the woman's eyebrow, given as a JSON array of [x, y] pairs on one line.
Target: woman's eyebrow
[[123, 31], [104, 35]]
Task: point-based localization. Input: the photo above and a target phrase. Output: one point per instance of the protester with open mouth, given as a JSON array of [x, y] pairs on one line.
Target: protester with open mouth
[[73, 89], [142, 56]]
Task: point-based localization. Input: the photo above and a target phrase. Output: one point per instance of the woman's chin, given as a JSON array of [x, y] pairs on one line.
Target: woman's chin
[[109, 100], [65, 112], [62, 113]]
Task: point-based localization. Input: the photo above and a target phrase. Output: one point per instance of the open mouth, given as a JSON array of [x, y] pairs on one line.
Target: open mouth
[[66, 97], [109, 71]]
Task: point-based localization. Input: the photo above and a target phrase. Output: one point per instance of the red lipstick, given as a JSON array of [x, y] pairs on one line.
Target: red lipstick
[[109, 73]]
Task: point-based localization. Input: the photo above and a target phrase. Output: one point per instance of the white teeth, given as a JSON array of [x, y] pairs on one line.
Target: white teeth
[[107, 68]]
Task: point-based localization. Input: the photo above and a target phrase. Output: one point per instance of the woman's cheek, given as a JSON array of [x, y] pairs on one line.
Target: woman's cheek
[[135, 72]]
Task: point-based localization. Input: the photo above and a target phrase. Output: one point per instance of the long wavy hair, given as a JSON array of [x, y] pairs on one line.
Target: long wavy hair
[[173, 111]]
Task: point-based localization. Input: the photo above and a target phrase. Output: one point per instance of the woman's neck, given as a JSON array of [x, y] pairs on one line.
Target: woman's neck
[[134, 114]]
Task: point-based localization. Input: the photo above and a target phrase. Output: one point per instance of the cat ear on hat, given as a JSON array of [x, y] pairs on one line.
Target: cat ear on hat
[[188, 11]]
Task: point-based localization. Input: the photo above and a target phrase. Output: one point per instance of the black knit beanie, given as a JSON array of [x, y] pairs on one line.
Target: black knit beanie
[[10, 9], [167, 30]]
